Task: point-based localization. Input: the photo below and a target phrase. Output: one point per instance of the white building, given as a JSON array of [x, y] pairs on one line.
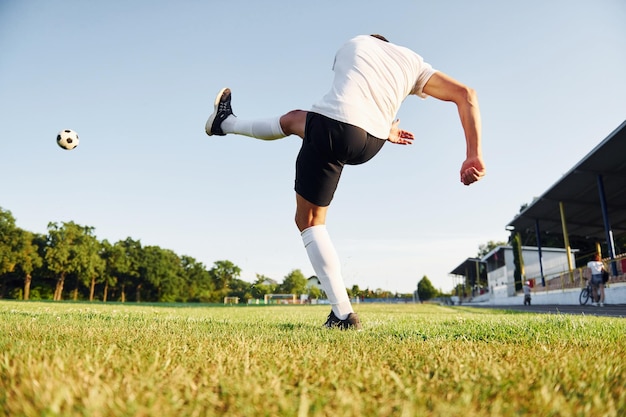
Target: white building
[[501, 267]]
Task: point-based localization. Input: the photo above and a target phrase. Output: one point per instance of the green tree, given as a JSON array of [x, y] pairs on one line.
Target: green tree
[[162, 270], [293, 283], [65, 252], [425, 289], [262, 286], [240, 288], [7, 231], [199, 284], [114, 260], [355, 291], [518, 260], [314, 293], [127, 268], [28, 258], [488, 247], [91, 268], [460, 290], [367, 293], [223, 272], [380, 293], [8, 251]]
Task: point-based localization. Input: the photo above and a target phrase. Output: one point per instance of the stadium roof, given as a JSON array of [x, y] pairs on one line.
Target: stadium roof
[[578, 190], [465, 266]]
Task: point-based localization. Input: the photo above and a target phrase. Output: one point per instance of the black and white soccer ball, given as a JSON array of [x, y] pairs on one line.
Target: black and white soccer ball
[[67, 139]]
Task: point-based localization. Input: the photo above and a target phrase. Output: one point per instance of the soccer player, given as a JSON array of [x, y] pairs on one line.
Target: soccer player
[[349, 125]]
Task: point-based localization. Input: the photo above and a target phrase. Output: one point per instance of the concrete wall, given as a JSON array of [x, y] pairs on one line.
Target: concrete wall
[[614, 294]]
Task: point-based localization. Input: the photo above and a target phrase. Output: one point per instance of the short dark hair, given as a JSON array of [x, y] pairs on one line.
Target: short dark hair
[[381, 37]]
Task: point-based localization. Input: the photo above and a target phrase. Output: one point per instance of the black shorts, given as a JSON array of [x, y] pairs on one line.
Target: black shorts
[[327, 146], [596, 280]]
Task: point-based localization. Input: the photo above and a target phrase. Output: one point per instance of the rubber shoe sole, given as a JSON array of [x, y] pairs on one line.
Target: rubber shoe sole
[[221, 110], [351, 322]]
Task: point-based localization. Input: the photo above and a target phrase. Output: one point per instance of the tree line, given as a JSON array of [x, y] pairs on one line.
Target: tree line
[[69, 262]]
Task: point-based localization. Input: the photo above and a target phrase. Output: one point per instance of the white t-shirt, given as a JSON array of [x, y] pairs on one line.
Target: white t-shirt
[[372, 79], [595, 267]]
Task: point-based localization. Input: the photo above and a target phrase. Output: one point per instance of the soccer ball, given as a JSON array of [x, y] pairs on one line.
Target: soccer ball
[[67, 139]]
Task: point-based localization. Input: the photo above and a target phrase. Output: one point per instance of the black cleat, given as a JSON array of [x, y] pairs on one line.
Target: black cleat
[[350, 322], [221, 111]]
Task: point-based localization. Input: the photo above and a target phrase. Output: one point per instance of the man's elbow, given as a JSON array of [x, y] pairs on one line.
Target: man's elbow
[[468, 95]]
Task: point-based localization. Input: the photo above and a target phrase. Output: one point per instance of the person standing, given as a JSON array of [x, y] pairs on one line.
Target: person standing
[[349, 126], [596, 267], [526, 289]]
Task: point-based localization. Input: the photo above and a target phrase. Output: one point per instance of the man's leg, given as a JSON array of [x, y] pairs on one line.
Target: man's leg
[[294, 122], [222, 121], [601, 286], [311, 220]]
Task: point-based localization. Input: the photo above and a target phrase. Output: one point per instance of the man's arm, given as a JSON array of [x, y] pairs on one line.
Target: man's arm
[[294, 122], [444, 87]]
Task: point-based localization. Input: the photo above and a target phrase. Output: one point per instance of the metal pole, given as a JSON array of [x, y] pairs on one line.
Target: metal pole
[[607, 225], [543, 279], [566, 239]]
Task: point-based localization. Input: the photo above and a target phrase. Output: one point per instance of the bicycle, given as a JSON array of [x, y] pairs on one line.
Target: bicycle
[[586, 293]]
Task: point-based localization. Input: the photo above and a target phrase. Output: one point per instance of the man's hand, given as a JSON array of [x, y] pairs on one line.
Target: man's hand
[[472, 170], [399, 136]]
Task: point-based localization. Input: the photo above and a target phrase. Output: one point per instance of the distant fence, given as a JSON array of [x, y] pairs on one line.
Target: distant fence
[[391, 300], [579, 276]]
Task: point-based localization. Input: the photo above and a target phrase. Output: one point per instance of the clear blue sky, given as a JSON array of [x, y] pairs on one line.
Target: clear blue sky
[[136, 80]]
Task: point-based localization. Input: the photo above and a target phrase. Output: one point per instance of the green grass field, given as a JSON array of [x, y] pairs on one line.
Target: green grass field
[[71, 359]]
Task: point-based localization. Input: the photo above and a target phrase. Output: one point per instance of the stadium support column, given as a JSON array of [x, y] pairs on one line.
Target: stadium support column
[[566, 239], [538, 234], [607, 225]]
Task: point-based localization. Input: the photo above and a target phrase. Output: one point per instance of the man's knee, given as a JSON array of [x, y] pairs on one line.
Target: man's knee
[[293, 122], [308, 214]]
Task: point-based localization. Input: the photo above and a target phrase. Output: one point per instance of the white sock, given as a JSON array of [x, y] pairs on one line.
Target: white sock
[[326, 265], [266, 129]]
